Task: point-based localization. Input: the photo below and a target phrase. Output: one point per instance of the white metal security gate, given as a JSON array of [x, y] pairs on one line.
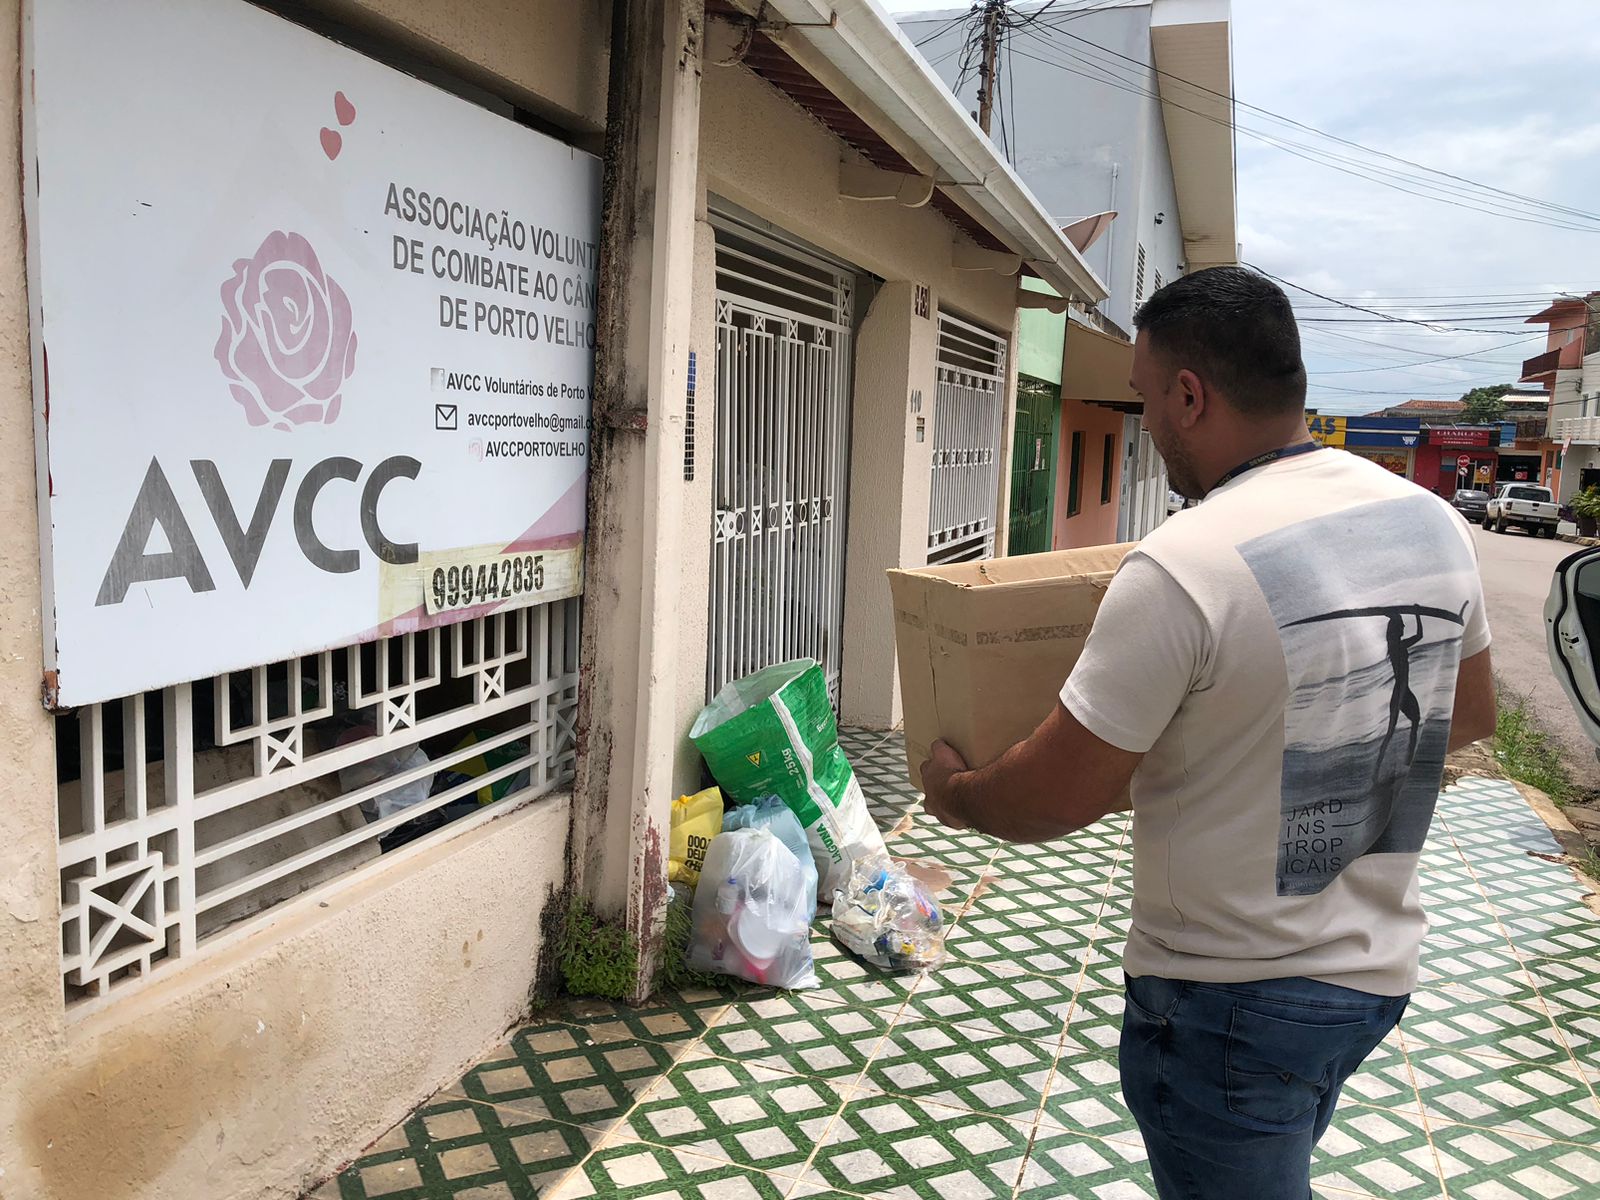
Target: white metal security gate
[[1131, 433], [1144, 483], [964, 497], [782, 456]]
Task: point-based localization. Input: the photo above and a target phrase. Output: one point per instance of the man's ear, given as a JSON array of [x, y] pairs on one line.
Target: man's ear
[[1192, 392]]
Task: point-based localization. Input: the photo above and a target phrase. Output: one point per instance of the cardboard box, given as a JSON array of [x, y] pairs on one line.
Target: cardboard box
[[985, 647]]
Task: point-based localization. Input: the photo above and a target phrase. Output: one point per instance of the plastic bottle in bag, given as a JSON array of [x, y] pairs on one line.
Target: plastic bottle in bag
[[771, 813], [751, 916]]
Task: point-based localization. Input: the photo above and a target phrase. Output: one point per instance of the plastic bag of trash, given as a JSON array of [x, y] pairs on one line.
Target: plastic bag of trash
[[771, 813], [696, 820], [479, 766], [885, 915], [773, 734], [383, 766], [749, 916]]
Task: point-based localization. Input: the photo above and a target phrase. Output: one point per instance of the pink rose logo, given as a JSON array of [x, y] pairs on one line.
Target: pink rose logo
[[287, 343]]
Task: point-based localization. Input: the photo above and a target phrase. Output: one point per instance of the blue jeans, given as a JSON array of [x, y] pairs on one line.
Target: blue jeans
[[1234, 1083]]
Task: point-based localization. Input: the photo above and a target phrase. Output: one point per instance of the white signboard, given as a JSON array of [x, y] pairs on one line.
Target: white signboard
[[313, 344]]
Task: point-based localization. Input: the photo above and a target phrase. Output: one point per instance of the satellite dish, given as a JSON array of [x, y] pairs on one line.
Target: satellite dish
[[1086, 231]]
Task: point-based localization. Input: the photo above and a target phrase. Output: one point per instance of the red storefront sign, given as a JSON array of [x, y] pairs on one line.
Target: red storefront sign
[[1453, 438]]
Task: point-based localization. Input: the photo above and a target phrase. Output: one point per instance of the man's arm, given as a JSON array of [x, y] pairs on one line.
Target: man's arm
[[1060, 779], [1473, 718]]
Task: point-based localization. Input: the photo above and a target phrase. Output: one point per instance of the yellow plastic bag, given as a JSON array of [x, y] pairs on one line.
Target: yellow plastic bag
[[696, 820]]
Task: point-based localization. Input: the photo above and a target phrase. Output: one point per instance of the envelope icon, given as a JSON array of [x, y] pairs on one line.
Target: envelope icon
[[444, 416]]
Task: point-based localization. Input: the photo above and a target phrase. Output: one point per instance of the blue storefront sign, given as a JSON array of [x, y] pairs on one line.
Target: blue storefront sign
[[1397, 440], [1400, 433]]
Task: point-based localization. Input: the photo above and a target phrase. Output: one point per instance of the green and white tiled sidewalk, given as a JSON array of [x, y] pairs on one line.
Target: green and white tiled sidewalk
[[996, 1076]]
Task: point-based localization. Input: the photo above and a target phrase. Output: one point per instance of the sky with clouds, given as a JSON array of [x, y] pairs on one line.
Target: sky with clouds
[[1492, 92]]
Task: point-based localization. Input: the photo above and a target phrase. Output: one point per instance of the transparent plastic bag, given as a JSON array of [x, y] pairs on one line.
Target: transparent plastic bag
[[885, 915], [750, 912], [771, 813], [383, 766]]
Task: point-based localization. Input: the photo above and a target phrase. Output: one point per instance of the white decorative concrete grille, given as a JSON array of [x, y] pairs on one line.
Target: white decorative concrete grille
[[190, 810]]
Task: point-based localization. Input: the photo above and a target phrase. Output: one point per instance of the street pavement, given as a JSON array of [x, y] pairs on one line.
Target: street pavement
[[1516, 570]]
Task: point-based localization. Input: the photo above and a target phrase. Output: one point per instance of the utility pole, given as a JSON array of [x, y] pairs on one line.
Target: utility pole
[[986, 72]]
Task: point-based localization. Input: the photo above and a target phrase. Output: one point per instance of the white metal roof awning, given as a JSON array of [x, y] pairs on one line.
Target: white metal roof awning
[[856, 51]]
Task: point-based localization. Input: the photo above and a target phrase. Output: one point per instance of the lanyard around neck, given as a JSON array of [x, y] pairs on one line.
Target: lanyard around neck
[[1261, 460]]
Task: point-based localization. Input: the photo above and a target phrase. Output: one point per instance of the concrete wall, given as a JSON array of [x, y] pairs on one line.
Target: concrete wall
[[549, 57], [1158, 197], [694, 616], [1095, 523], [268, 1064], [765, 154], [1574, 463], [1566, 399], [266, 1067]]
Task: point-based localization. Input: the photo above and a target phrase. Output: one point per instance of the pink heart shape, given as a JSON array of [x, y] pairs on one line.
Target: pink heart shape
[[343, 109], [332, 143]]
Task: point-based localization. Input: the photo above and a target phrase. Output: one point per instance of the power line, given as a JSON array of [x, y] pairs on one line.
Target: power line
[[1385, 177], [1324, 158], [1544, 295], [1276, 116], [1350, 337], [1389, 317], [1400, 367], [1383, 318], [1462, 301], [1009, 117], [1500, 313], [1348, 391], [942, 30], [1031, 18]]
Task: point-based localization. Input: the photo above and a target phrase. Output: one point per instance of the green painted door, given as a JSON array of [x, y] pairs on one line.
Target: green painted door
[[1033, 466]]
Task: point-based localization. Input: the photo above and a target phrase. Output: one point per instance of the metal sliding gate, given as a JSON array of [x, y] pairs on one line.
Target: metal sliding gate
[[782, 456], [966, 442]]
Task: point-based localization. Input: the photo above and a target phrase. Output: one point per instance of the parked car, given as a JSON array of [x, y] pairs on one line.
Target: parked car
[[1174, 502], [1525, 505], [1572, 635], [1472, 505]]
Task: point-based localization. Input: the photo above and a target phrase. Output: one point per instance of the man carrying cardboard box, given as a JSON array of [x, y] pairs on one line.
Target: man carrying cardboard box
[[1277, 675]]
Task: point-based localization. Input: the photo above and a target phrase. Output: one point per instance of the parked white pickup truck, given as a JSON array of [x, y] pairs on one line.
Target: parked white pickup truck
[[1524, 504]]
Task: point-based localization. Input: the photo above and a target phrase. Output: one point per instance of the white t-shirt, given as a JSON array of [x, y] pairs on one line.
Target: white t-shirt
[[1285, 657]]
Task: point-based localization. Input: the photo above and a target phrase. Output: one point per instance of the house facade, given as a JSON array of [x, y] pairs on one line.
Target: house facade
[[1119, 118], [1571, 448], [289, 779]]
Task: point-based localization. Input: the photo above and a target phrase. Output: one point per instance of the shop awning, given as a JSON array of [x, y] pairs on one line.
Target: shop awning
[[1095, 367]]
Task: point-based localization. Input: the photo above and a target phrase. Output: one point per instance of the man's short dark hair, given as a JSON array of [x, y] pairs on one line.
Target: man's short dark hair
[[1235, 329]]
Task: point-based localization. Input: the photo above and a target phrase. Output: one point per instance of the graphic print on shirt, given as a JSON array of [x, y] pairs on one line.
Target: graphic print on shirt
[[1371, 604]]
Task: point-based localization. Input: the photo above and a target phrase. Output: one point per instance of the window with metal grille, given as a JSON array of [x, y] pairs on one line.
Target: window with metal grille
[[964, 492], [1105, 469], [1160, 283], [1075, 475], [190, 810], [1138, 278]]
